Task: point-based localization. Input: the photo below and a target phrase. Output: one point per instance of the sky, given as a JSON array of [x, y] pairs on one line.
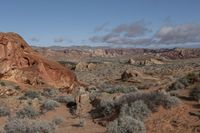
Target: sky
[[114, 23]]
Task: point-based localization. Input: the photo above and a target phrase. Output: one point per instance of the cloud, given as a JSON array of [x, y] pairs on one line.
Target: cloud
[[101, 27], [115, 39], [134, 29], [185, 33], [34, 39], [134, 34], [124, 34], [59, 39]]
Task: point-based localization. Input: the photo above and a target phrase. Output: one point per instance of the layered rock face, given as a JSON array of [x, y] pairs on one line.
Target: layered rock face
[[20, 63]]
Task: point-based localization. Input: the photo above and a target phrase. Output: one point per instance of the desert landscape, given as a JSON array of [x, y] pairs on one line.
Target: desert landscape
[[97, 90], [99, 66]]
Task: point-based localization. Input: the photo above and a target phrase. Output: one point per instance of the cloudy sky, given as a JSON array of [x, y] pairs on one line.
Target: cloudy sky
[[115, 23]]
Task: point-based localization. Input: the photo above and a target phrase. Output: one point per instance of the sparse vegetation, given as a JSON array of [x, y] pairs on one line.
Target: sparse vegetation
[[27, 112], [50, 92], [104, 108], [31, 94], [2, 83], [15, 125], [119, 89], [126, 124], [193, 77], [107, 107], [50, 105], [65, 99], [58, 120], [4, 111], [153, 99], [138, 110], [195, 93], [184, 82], [176, 86]]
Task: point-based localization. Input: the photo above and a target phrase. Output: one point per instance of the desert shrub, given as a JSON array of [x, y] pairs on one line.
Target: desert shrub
[[93, 95], [17, 88], [107, 107], [15, 125], [4, 111], [184, 81], [65, 99], [50, 105], [119, 89], [126, 124], [42, 127], [27, 112], [195, 93], [104, 108], [176, 86], [153, 99], [31, 94], [2, 83], [138, 110], [58, 120], [50, 92], [170, 102], [193, 77]]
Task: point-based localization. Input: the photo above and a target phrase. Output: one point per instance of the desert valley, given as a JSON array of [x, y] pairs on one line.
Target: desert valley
[[97, 90]]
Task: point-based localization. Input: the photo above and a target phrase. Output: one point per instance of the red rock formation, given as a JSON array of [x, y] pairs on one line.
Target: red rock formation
[[20, 63]]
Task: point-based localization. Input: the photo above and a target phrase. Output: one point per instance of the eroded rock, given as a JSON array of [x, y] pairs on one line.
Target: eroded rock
[[20, 63]]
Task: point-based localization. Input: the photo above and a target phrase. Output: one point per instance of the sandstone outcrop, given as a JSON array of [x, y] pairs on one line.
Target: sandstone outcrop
[[20, 63]]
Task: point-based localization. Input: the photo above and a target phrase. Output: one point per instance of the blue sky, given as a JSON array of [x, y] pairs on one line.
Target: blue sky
[[137, 23]]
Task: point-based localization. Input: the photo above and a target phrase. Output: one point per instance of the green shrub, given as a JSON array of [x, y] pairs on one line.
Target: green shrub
[[27, 112], [126, 124]]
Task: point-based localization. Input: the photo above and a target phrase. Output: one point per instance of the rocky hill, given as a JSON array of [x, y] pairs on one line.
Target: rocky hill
[[20, 63]]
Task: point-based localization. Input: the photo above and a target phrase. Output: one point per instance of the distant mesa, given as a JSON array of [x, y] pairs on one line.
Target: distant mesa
[[20, 63]]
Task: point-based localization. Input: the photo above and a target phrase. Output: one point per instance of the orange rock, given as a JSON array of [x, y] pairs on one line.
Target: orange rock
[[20, 63]]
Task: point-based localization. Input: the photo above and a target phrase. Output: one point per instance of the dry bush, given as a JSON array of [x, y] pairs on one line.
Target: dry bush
[[153, 99], [126, 124], [50, 92], [15, 125], [138, 110], [65, 99], [118, 89], [195, 93], [30, 94], [49, 105], [27, 112], [4, 111]]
